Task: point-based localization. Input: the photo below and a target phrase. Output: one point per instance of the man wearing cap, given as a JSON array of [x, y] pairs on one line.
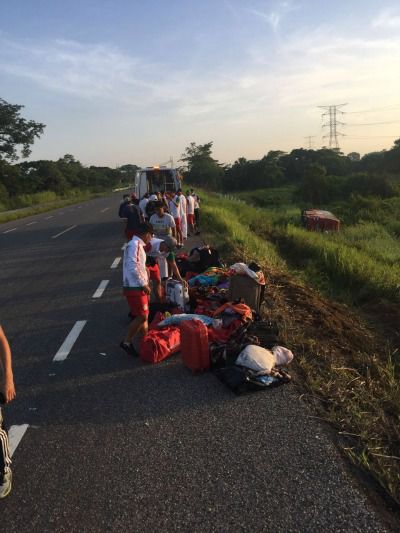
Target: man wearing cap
[[161, 249]]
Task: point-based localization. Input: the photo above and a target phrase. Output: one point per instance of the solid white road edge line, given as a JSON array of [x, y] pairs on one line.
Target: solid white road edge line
[[101, 288], [67, 345], [65, 231], [104, 210], [15, 434], [30, 223], [116, 262], [8, 231]]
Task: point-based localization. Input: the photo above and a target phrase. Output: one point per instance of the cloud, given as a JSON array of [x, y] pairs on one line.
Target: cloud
[[388, 19], [84, 71], [287, 79], [275, 16]]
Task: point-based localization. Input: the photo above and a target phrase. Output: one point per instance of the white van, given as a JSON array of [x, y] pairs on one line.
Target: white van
[[153, 179]]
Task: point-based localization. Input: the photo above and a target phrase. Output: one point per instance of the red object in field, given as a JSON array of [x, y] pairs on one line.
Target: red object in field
[[159, 344], [318, 220], [194, 345]]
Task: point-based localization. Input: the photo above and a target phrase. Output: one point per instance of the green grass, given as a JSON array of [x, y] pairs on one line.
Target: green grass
[[46, 201], [358, 264]]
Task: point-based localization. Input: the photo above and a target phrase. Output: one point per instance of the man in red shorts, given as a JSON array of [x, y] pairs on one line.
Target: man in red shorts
[[136, 284]]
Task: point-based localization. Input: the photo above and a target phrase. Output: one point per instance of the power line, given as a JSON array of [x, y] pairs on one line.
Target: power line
[[373, 123], [332, 112], [373, 110]]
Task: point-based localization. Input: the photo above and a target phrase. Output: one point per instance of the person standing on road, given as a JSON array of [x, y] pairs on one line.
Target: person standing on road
[[196, 210], [174, 209], [136, 285], [162, 222], [190, 213], [133, 216], [143, 203], [8, 394], [183, 211]]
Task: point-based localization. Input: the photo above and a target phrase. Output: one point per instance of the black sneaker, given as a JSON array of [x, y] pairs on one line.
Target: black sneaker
[[128, 348], [197, 233]]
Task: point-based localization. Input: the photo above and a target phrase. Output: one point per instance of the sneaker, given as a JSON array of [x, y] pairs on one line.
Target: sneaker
[[128, 348], [197, 233], [5, 485]]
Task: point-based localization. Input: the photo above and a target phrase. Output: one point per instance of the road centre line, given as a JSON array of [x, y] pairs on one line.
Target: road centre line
[[15, 434], [104, 210], [48, 218], [8, 231], [30, 223], [101, 288], [69, 342], [115, 262], [65, 231]]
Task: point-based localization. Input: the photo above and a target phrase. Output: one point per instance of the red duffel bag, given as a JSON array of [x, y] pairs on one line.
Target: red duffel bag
[[159, 344]]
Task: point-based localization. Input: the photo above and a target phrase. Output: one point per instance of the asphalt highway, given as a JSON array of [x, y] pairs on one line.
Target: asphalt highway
[[104, 442]]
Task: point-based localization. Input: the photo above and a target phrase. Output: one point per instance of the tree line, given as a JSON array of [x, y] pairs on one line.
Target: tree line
[[320, 176], [60, 177]]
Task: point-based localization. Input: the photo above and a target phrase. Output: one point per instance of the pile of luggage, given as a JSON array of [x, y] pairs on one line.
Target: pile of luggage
[[215, 324]]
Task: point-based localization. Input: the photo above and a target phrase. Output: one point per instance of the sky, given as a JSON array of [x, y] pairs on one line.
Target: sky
[[136, 81]]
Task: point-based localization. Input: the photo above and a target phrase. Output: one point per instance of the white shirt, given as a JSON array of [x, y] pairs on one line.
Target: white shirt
[[162, 225], [134, 266], [174, 208], [142, 205], [190, 205], [183, 205]]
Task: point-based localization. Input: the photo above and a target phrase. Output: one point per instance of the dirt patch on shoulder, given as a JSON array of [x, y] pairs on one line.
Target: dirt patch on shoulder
[[346, 368]]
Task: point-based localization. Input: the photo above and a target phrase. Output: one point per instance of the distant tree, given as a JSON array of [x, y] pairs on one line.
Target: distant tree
[[16, 132], [202, 168], [354, 156], [314, 185]]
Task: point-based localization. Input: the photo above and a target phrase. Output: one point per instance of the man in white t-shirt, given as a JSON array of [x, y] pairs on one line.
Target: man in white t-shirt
[[174, 209], [190, 212], [163, 223]]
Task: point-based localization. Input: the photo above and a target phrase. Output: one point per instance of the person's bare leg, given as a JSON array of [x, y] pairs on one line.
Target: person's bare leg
[[135, 326]]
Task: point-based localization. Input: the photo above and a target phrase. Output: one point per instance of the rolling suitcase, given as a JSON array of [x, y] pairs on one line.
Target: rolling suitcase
[[246, 288], [194, 345]]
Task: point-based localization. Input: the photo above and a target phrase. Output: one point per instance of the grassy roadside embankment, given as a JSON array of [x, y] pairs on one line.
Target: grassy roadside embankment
[[34, 204], [344, 367]]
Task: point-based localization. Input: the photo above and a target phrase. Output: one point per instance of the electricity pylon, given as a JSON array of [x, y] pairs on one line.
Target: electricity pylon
[[332, 111]]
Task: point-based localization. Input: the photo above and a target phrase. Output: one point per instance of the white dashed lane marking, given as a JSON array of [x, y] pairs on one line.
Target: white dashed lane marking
[[101, 288], [65, 231], [116, 262], [30, 223], [124, 246], [69, 342], [15, 434], [48, 218], [104, 210], [9, 230]]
